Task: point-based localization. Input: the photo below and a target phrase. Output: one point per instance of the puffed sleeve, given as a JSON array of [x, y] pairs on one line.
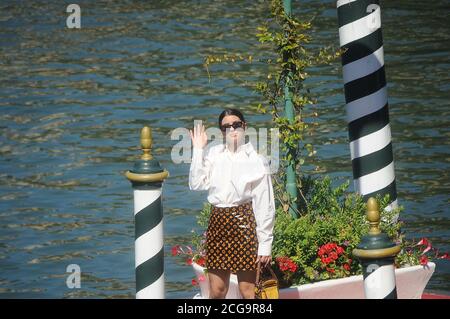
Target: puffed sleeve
[[264, 208], [200, 170]]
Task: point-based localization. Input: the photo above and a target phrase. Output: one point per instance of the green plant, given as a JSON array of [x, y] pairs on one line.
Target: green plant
[[288, 42], [289, 38], [318, 245], [196, 252], [418, 253], [335, 219], [199, 239]]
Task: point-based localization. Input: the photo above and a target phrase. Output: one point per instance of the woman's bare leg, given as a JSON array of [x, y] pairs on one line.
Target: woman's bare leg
[[219, 281], [246, 281]]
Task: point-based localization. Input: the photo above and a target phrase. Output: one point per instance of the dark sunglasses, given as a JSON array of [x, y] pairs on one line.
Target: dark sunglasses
[[235, 125]]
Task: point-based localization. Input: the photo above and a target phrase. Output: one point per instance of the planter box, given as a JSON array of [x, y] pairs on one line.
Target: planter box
[[410, 281]]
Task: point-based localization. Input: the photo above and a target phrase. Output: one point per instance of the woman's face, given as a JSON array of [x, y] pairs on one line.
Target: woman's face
[[232, 134]]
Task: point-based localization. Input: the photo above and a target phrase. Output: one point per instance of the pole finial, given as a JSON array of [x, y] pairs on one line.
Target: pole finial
[[146, 143], [373, 216]]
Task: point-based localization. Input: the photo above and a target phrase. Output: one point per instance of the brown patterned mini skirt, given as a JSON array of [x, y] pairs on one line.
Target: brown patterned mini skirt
[[231, 241]]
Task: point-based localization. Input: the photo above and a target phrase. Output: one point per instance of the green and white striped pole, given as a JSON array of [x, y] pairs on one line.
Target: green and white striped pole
[[366, 98], [377, 252], [147, 178]]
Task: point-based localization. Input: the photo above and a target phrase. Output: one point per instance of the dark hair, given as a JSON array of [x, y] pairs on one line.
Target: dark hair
[[228, 111]]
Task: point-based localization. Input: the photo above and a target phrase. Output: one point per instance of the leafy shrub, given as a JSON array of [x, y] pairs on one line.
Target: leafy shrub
[[318, 245], [320, 242]]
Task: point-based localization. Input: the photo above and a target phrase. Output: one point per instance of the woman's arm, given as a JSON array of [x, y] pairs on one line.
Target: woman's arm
[[264, 207], [199, 173]]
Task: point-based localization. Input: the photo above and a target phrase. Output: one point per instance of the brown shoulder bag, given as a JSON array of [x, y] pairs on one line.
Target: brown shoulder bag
[[266, 287]]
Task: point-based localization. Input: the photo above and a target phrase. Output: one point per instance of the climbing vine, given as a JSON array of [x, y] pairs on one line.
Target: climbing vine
[[292, 55]]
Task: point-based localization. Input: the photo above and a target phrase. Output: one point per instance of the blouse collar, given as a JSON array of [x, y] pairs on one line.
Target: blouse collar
[[247, 148]]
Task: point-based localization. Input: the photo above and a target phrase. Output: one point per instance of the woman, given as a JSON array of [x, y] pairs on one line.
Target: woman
[[240, 229]]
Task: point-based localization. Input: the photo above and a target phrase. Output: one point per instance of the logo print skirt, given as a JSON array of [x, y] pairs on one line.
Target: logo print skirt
[[231, 241]]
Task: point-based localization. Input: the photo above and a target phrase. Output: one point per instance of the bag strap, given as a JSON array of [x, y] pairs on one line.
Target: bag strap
[[259, 272], [272, 273]]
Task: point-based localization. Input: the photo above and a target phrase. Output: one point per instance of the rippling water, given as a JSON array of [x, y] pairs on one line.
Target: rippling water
[[73, 103]]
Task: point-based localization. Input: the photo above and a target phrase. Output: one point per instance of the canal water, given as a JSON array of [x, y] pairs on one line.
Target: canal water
[[73, 102]]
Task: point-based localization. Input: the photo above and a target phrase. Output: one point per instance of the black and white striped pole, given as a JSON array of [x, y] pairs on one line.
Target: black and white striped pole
[[147, 178], [366, 98], [377, 252]]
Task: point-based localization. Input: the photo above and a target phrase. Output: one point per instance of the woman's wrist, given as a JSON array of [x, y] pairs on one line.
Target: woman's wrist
[[197, 154]]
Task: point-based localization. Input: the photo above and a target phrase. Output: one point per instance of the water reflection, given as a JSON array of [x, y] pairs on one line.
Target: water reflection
[[73, 102]]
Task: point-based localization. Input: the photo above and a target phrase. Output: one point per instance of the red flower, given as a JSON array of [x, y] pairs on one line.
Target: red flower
[[424, 243], [330, 253], [423, 260], [201, 261], [194, 282], [331, 270], [175, 250], [189, 261], [334, 259], [293, 267], [286, 264], [445, 256]]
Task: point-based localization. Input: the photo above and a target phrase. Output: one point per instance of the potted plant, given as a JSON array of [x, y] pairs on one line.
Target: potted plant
[[315, 250]]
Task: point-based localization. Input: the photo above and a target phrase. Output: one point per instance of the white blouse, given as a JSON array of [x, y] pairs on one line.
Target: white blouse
[[236, 178]]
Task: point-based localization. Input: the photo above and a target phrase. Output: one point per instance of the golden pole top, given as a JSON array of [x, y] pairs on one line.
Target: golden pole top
[[375, 244], [373, 216], [146, 169], [146, 143]]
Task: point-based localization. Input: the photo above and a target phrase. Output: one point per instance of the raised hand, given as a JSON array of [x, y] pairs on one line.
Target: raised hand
[[199, 137]]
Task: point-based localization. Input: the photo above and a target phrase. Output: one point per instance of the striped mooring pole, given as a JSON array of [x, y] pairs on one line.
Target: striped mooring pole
[[147, 178], [377, 252], [366, 98]]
